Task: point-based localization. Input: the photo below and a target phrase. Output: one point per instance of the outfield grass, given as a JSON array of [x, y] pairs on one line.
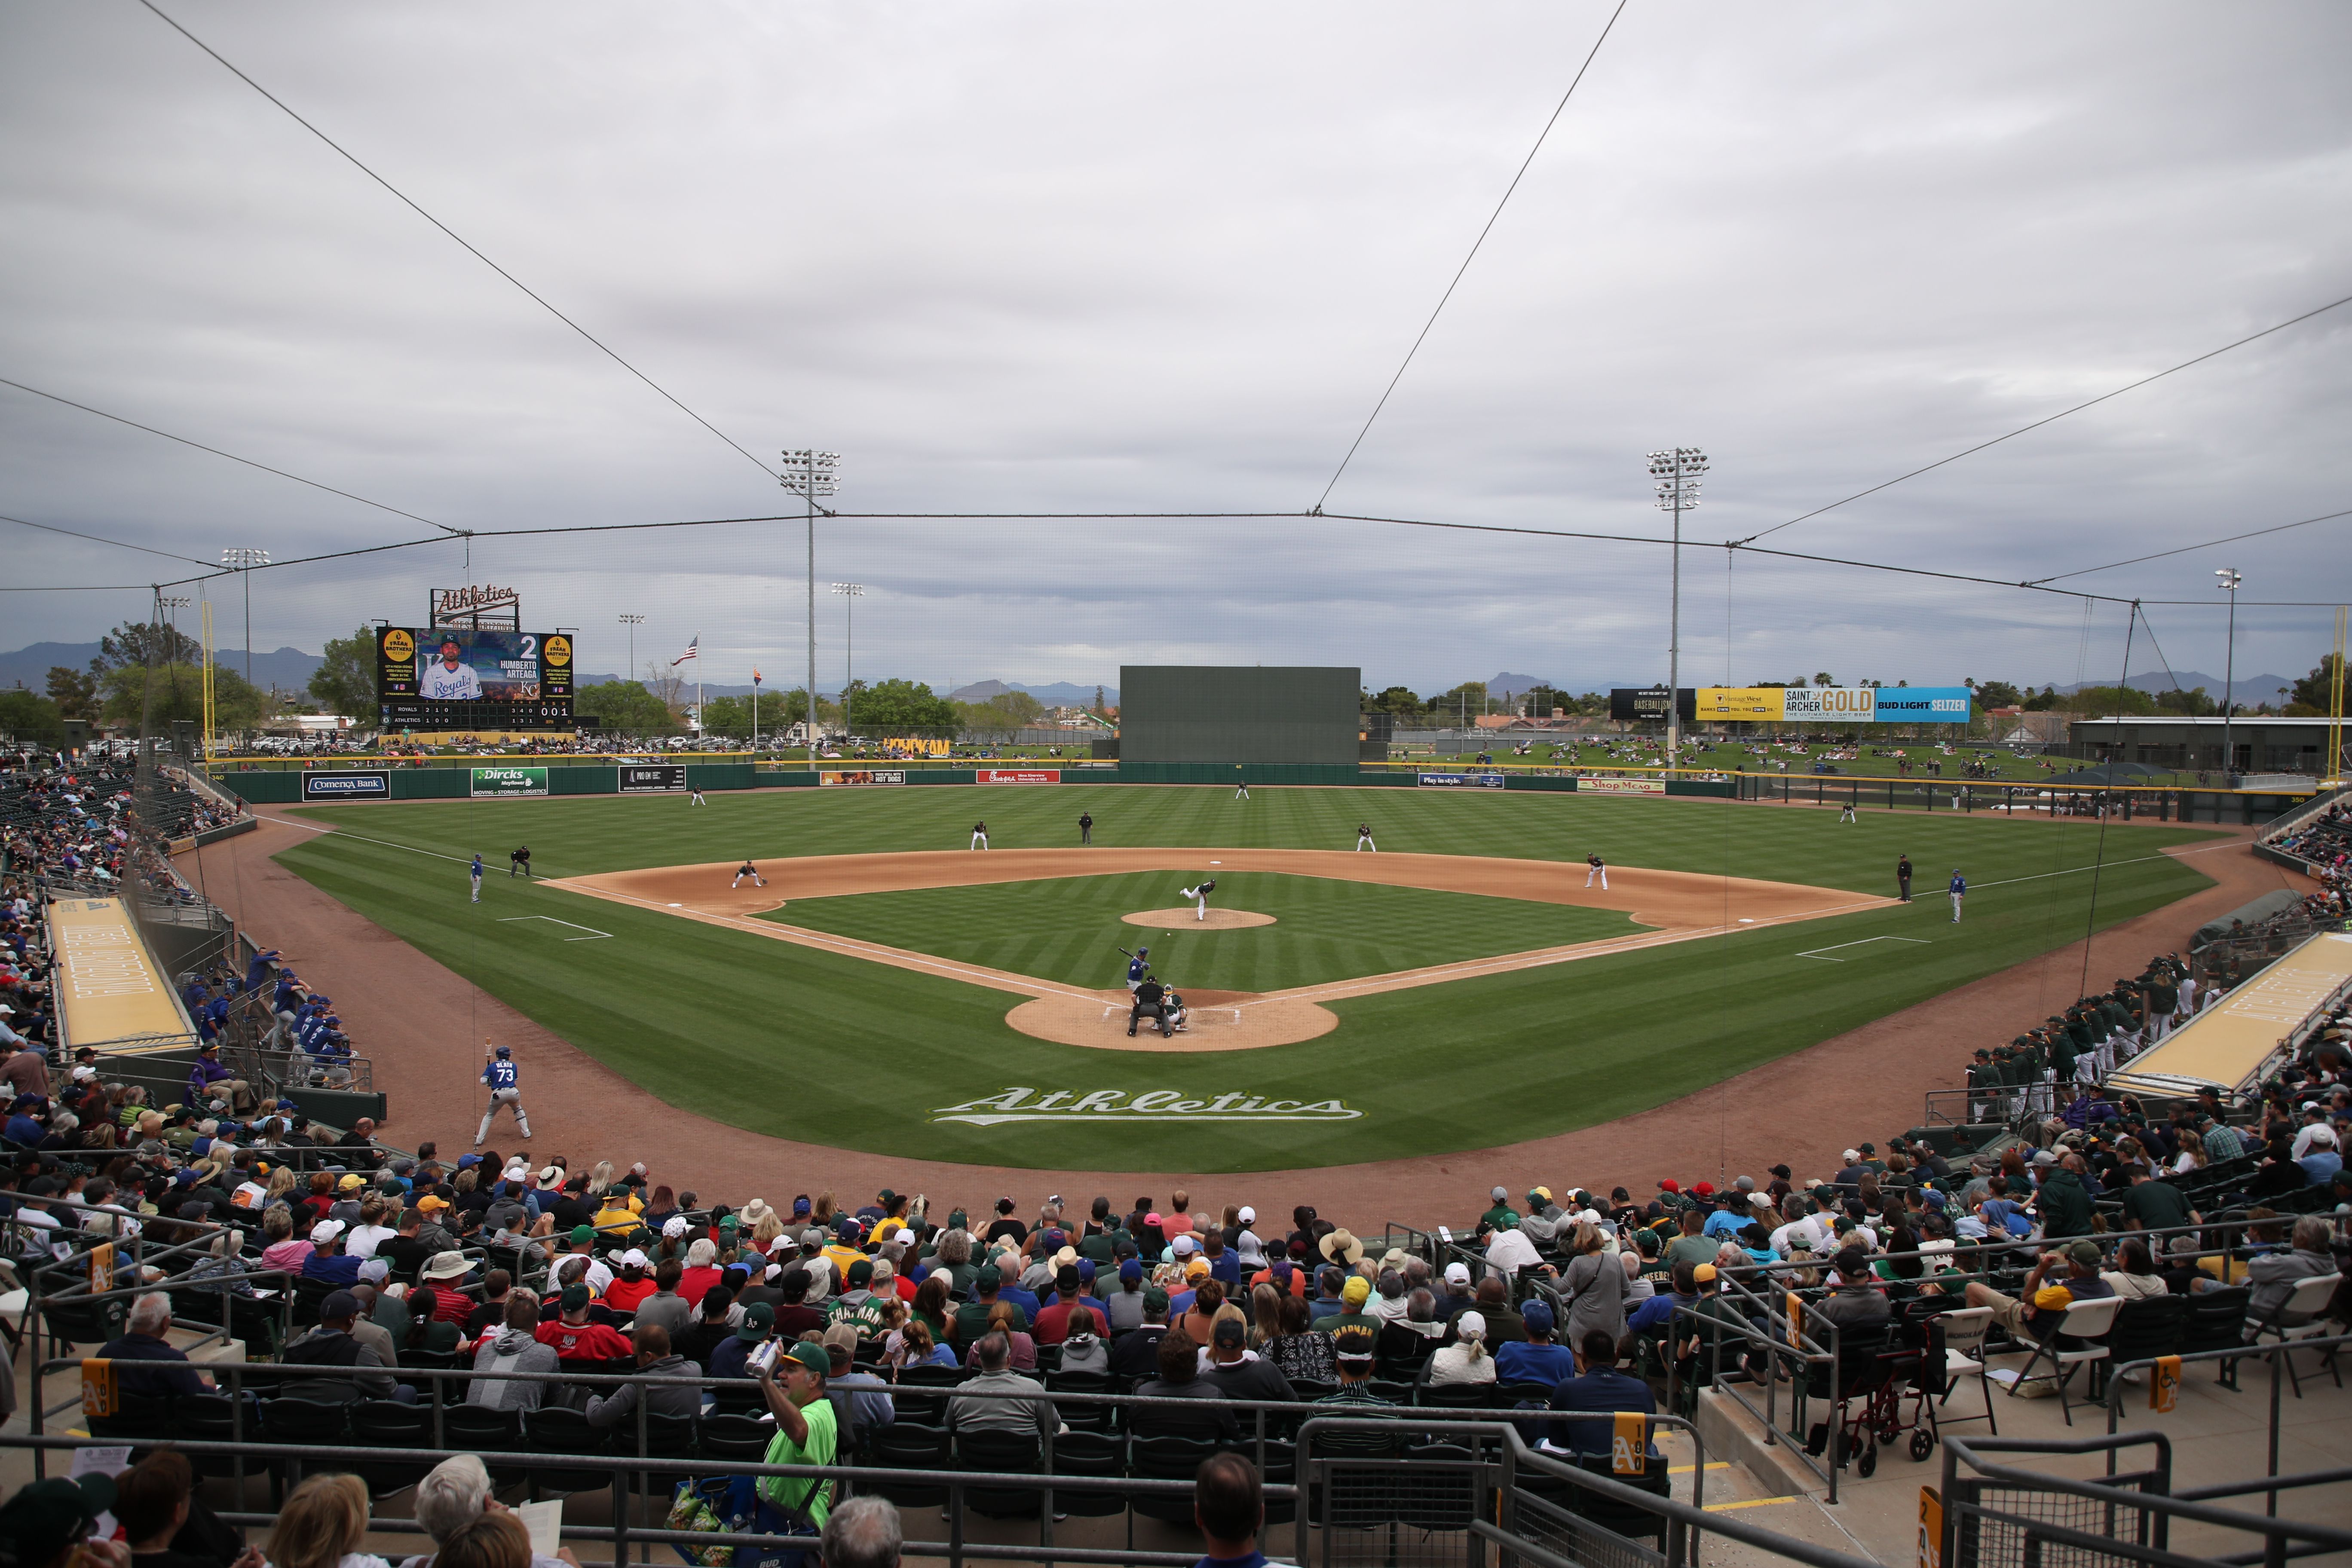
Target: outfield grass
[[1069, 929], [714, 1020]]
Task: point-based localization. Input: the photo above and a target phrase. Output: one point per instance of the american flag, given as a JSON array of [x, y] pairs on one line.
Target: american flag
[[693, 650]]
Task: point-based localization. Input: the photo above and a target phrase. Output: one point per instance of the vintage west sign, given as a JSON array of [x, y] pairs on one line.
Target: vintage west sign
[[1119, 1105]]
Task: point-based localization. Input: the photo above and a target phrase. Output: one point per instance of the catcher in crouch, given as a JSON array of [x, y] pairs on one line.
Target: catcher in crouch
[[1199, 897]]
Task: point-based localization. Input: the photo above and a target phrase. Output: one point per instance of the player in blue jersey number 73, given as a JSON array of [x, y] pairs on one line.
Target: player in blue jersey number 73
[[505, 1091]]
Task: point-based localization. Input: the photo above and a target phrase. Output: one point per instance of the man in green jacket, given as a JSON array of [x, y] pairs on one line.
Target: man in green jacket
[[2063, 1201]]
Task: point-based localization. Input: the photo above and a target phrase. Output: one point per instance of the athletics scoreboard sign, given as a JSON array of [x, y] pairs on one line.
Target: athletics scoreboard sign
[[467, 677], [1834, 704]]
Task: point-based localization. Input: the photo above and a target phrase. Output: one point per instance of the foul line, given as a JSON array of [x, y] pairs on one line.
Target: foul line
[[1816, 952], [594, 934], [2136, 860]]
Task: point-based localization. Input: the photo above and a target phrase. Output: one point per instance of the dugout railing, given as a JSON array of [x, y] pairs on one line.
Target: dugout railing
[[1360, 1491]]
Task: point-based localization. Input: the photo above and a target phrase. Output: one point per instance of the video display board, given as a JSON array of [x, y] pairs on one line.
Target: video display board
[[1835, 704], [462, 677], [1240, 713]]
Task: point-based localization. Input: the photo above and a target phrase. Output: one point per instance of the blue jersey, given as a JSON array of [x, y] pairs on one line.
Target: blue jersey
[[1136, 969], [1958, 885], [500, 1074], [476, 868]]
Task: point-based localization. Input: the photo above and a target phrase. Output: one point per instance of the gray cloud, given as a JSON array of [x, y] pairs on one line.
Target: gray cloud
[[1024, 256]]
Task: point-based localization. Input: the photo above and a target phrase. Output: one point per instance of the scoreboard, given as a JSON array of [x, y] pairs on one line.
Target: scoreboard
[[461, 678]]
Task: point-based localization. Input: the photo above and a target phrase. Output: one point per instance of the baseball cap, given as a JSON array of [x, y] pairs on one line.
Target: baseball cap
[[1155, 1300], [1538, 1317], [634, 1259], [1248, 1214], [1229, 1332], [1356, 1292], [675, 1227], [351, 1184], [1457, 1274], [1539, 1195], [574, 1297], [1182, 1245], [2085, 1253], [758, 1319], [580, 1232], [1471, 1324], [326, 1230], [1668, 1185], [987, 1278], [339, 1304], [1130, 1270], [861, 1273], [47, 1517], [812, 1357]]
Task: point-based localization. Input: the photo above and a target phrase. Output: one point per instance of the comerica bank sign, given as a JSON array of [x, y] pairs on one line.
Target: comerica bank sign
[[1120, 1104]]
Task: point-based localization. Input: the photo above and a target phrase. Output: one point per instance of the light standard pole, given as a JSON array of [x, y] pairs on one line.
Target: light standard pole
[[242, 559], [1677, 473], [851, 593], [2226, 578], [632, 623], [809, 474]]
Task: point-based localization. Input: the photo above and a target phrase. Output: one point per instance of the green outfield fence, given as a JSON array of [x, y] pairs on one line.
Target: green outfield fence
[[452, 779]]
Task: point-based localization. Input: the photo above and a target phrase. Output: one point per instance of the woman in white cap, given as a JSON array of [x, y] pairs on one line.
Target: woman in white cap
[[1465, 1359]]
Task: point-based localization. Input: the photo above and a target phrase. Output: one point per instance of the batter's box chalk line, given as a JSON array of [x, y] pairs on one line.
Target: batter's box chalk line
[[594, 934], [1915, 941]]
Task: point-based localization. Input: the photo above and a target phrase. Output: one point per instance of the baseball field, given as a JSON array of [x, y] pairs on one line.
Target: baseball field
[[891, 990]]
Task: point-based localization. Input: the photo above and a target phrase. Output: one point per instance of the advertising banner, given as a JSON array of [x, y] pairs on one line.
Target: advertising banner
[[1019, 775], [1834, 704], [864, 776], [109, 987], [510, 781], [1924, 704], [651, 778], [1621, 786], [1460, 781], [372, 784]]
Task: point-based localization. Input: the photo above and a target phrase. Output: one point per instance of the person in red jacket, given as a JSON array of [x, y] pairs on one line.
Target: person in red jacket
[[1070, 1302], [578, 1343]]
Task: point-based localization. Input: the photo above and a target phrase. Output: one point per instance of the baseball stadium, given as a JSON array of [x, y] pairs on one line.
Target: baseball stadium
[[636, 1046]]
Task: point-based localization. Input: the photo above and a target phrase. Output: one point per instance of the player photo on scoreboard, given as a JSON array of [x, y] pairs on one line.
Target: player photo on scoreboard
[[454, 664]]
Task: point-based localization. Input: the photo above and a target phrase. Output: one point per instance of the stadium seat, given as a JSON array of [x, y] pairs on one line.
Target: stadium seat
[[1000, 1453], [388, 1423], [2146, 1327], [1091, 1454], [1442, 1496], [2081, 1340], [899, 1447], [1167, 1459], [560, 1431], [2300, 1317], [740, 1438]]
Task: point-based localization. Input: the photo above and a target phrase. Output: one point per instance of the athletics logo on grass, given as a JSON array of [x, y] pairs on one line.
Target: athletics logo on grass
[[1118, 1105]]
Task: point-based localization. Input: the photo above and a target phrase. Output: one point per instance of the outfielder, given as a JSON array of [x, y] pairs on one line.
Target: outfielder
[[1241, 786], [1846, 813], [474, 874], [500, 1074], [693, 795], [980, 836], [1200, 895], [746, 869], [1959, 889], [1594, 865], [1364, 838]]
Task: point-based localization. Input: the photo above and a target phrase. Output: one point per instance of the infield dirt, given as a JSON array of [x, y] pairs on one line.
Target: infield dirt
[[1680, 905]]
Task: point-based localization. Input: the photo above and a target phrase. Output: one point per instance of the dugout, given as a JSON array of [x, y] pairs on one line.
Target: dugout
[[1240, 713]]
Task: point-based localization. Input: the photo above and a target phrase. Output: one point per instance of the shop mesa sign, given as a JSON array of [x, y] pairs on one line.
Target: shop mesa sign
[[1119, 1105]]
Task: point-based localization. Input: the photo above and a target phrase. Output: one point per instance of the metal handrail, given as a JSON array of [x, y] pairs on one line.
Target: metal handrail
[[2273, 1353]]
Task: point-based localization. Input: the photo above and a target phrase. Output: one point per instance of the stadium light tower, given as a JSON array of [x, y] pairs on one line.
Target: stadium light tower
[[632, 623], [1677, 473], [2226, 578], [243, 560], [810, 474], [851, 593]]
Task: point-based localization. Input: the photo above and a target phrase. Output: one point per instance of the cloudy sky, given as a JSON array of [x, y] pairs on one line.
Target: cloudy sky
[[1028, 258]]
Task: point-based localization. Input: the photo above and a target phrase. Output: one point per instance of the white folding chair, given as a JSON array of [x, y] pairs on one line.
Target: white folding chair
[[2298, 1318], [2081, 1338], [1964, 1342]]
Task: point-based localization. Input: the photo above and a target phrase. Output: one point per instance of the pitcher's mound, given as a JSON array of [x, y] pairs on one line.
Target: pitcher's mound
[[1187, 917], [1217, 1023]]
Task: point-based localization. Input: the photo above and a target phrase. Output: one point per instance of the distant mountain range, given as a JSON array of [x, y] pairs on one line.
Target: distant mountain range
[[2247, 689], [287, 669], [1059, 694]]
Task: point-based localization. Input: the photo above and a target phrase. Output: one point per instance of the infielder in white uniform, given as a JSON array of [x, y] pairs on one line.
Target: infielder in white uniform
[[693, 795], [980, 836], [1241, 786], [1594, 865], [500, 1074], [746, 869], [1364, 838], [1200, 895]]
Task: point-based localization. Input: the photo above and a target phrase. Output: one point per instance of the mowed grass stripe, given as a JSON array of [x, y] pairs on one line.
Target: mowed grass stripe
[[583, 835], [1070, 929], [832, 1051]]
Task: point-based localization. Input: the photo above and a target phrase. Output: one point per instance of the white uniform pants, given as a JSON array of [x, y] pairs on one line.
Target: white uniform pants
[[980, 841], [1956, 908], [1599, 871], [477, 888], [502, 1098]]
